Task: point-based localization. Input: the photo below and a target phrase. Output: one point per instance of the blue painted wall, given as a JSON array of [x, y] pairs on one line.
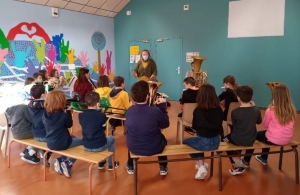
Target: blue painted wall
[[253, 61]]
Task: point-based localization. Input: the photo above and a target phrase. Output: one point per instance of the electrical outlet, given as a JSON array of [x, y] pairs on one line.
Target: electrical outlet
[[186, 7]]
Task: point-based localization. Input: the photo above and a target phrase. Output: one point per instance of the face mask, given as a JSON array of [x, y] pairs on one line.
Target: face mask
[[98, 108], [145, 58]]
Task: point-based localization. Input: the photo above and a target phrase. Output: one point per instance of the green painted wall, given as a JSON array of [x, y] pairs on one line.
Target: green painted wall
[[253, 61]]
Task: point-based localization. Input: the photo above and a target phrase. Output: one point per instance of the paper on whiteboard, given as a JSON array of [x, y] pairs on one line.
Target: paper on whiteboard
[[256, 18]]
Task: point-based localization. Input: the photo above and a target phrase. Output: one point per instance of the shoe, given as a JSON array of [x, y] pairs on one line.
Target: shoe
[[101, 164], [201, 173], [163, 170], [30, 159], [261, 160], [57, 165], [66, 167], [236, 170], [110, 167], [112, 130], [25, 151], [245, 164], [205, 164], [130, 170], [237, 161]]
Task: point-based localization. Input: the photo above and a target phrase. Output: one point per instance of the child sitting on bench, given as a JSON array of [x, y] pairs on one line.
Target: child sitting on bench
[[93, 124], [244, 120], [58, 137], [207, 122], [144, 124], [279, 121]]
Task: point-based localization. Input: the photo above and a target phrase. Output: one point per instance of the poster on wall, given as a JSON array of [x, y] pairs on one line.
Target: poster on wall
[[134, 50], [189, 56]]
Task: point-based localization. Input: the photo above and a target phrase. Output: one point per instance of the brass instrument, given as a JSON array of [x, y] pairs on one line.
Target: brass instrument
[[199, 75], [153, 88]]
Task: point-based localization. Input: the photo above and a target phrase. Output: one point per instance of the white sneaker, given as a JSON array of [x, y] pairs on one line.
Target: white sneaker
[[238, 161], [201, 173], [205, 164]]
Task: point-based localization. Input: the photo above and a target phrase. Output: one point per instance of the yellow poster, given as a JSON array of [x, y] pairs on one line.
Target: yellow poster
[[134, 50]]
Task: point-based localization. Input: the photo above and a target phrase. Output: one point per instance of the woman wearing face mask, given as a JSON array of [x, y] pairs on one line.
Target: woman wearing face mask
[[145, 69]]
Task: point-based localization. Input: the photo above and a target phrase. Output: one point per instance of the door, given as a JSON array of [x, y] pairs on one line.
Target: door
[[143, 44], [168, 58]]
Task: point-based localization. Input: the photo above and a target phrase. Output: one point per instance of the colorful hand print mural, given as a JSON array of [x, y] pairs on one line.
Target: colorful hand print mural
[[20, 59]]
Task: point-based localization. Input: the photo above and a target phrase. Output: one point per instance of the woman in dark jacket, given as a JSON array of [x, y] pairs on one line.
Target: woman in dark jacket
[[145, 69]]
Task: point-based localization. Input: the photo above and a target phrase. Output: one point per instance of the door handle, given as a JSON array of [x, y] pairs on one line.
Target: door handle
[[178, 70]]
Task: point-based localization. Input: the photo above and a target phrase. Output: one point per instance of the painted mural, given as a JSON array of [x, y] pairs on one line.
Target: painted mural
[[20, 59]]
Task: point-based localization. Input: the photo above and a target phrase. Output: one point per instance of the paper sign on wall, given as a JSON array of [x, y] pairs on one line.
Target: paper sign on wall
[[132, 58], [189, 56], [137, 58], [134, 50]]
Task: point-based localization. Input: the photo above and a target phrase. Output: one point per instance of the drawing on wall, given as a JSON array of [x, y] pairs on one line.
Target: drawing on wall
[[98, 41], [20, 59]]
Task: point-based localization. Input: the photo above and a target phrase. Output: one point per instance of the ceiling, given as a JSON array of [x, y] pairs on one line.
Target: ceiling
[[107, 8]]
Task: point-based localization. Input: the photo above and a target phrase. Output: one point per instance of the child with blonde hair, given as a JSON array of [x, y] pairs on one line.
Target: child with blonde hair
[[57, 122], [279, 121]]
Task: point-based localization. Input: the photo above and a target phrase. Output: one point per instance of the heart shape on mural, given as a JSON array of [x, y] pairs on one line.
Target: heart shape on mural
[[28, 29]]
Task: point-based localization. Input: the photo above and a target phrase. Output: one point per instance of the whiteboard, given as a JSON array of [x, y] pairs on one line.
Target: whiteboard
[[256, 18]]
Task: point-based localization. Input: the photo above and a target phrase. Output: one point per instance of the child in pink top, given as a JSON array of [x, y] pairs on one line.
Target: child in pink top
[[279, 121]]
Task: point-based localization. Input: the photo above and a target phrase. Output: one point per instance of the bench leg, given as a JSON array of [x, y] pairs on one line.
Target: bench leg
[[113, 164], [296, 164], [9, 154], [45, 160], [280, 158], [220, 171], [211, 164], [135, 165], [90, 177], [107, 126]]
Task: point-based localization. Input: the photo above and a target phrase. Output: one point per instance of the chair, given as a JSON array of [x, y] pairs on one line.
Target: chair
[[4, 127], [232, 106], [185, 120]]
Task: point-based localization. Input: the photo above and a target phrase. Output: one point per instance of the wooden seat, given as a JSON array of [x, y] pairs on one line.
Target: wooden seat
[[77, 152], [175, 150], [185, 120], [115, 116]]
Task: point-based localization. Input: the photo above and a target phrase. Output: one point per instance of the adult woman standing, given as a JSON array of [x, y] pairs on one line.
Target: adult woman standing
[[82, 84], [145, 69]]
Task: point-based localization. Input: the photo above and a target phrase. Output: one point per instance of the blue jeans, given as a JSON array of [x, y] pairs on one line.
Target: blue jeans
[[110, 145], [75, 142], [40, 139], [203, 144]]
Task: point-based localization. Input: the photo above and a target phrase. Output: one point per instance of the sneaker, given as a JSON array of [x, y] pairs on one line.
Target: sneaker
[[57, 165], [112, 130], [25, 151], [261, 160], [101, 164], [201, 173], [205, 164], [130, 170], [245, 164], [110, 167], [163, 170], [66, 167], [30, 159], [236, 170], [237, 161]]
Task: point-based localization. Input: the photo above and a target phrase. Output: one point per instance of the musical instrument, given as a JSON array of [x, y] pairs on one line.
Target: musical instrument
[[153, 89], [199, 75]]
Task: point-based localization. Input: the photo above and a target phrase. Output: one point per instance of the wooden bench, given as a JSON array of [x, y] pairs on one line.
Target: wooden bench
[[175, 150], [77, 152]]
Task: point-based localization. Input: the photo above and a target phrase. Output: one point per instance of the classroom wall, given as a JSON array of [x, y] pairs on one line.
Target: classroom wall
[[30, 36], [204, 28]]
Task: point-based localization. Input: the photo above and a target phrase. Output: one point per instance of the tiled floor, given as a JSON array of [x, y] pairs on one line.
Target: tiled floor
[[26, 179]]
